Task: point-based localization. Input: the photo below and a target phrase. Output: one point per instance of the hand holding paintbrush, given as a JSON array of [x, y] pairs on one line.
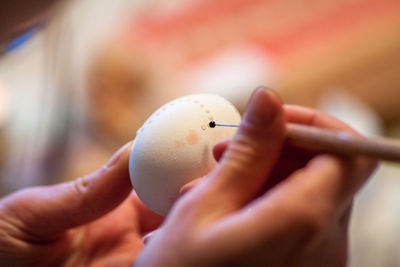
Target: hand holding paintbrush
[[337, 142]]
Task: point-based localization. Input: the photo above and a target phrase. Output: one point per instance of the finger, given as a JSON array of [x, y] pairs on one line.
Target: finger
[[295, 157], [220, 148], [189, 186], [326, 180], [251, 155], [300, 115], [148, 219], [149, 236], [312, 117], [307, 116], [299, 208], [49, 210]]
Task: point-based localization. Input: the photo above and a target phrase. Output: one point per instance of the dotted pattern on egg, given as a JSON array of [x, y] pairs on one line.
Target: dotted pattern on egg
[[165, 107]]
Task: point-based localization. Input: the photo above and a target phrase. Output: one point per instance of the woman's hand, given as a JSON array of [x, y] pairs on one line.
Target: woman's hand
[[267, 203], [94, 220]]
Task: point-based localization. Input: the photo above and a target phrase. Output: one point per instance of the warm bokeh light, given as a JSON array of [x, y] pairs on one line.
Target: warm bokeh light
[[79, 85]]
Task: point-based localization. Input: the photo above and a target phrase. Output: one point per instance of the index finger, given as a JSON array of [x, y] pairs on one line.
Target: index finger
[[315, 194], [312, 117]]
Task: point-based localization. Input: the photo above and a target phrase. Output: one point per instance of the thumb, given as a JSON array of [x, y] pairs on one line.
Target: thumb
[[47, 211], [220, 148], [253, 152]]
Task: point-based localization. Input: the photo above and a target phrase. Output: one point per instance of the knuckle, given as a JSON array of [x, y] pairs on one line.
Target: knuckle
[[251, 144], [256, 132], [80, 188], [243, 150]]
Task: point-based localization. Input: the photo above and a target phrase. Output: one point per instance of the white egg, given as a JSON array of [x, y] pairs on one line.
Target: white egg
[[174, 147]]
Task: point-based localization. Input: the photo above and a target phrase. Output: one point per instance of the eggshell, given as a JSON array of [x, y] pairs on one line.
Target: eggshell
[[174, 147]]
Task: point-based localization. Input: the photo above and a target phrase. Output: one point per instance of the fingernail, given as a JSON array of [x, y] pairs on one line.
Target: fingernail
[[117, 156], [263, 107], [184, 189], [187, 187], [190, 185], [147, 237]]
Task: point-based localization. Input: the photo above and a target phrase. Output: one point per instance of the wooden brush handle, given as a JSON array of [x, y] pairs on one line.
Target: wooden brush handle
[[342, 142]]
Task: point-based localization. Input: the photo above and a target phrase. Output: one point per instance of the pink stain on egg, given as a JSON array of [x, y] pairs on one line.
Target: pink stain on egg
[[192, 138]]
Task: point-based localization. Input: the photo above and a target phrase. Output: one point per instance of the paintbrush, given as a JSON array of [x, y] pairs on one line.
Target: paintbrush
[[339, 142]]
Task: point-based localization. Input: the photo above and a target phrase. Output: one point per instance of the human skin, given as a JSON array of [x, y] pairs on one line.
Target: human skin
[[91, 221], [266, 203]]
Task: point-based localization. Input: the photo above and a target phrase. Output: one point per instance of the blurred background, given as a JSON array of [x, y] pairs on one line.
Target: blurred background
[[77, 86]]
